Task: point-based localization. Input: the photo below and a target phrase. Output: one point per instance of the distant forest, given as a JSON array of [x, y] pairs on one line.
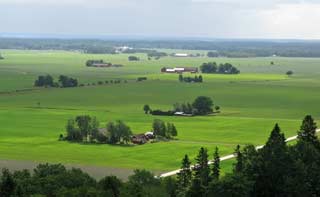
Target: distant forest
[[225, 48]]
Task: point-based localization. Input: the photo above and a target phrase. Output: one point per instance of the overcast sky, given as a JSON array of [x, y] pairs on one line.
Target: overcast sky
[[183, 18]]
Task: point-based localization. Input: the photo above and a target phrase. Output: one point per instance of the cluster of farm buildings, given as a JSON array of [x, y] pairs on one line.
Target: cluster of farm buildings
[[142, 138]]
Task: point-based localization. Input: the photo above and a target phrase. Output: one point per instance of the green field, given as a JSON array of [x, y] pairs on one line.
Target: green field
[[251, 104]]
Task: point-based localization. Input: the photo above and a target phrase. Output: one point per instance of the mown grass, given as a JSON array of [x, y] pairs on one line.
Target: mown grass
[[251, 103]]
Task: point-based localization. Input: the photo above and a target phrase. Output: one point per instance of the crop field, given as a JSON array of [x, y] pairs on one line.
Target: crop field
[[251, 103]]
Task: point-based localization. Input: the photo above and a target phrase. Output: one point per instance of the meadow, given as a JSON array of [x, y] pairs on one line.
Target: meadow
[[251, 103]]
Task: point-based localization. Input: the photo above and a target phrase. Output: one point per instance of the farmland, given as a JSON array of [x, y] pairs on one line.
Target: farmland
[[251, 104]]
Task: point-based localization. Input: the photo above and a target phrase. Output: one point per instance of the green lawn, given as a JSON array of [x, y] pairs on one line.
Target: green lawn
[[251, 104]]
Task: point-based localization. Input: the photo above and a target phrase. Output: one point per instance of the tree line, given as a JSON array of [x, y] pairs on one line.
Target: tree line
[[48, 81], [86, 129], [277, 169], [195, 79], [213, 67], [202, 105], [55, 180]]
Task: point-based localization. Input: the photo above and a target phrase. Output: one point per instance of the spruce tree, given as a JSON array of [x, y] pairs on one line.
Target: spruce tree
[[216, 164], [307, 131], [238, 167], [202, 169], [184, 176], [7, 184]]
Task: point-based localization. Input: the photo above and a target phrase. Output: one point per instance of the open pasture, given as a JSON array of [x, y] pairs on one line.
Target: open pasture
[[251, 104]]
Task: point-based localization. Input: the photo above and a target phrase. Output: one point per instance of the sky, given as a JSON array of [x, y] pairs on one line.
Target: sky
[[282, 19]]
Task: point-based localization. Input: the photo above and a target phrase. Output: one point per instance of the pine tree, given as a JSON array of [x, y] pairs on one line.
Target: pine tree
[[307, 131], [272, 167], [202, 169], [7, 184], [238, 167], [216, 164], [184, 176]]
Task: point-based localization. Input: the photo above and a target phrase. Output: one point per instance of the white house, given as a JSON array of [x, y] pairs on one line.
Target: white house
[[181, 55]]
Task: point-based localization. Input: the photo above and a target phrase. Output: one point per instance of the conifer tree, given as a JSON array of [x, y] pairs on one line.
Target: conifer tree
[[307, 131], [202, 169], [184, 176], [216, 164]]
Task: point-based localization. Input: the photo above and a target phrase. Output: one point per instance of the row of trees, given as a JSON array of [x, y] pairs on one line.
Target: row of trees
[[213, 67], [277, 169], [90, 63], [48, 81], [106, 82], [58, 181], [194, 79], [202, 105]]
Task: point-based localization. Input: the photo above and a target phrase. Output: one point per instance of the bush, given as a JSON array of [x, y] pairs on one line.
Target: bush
[[142, 78], [133, 58], [162, 113]]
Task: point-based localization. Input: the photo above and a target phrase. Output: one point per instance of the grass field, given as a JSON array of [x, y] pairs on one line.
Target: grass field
[[251, 103]]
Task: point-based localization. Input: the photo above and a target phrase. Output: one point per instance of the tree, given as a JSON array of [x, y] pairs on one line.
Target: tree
[[271, 168], [308, 131], [84, 125], [196, 189], [289, 73], [210, 67], [180, 77], [94, 128], [200, 79], [133, 58], [44, 81], [146, 109], [7, 184], [203, 105], [184, 176], [143, 177], [172, 130], [216, 164], [159, 128], [201, 168], [239, 165], [111, 184], [119, 132], [124, 131], [73, 133], [212, 54], [217, 108]]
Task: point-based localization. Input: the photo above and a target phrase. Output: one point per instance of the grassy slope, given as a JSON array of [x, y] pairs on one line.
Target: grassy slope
[[251, 103]]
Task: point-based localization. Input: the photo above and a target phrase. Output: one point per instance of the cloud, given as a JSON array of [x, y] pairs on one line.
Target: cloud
[[214, 18]]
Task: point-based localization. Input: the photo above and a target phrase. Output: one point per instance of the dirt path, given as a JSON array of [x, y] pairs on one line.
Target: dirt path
[[167, 174]]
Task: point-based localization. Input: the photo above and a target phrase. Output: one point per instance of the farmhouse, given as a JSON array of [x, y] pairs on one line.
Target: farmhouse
[[139, 139], [179, 70], [102, 65], [181, 55]]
